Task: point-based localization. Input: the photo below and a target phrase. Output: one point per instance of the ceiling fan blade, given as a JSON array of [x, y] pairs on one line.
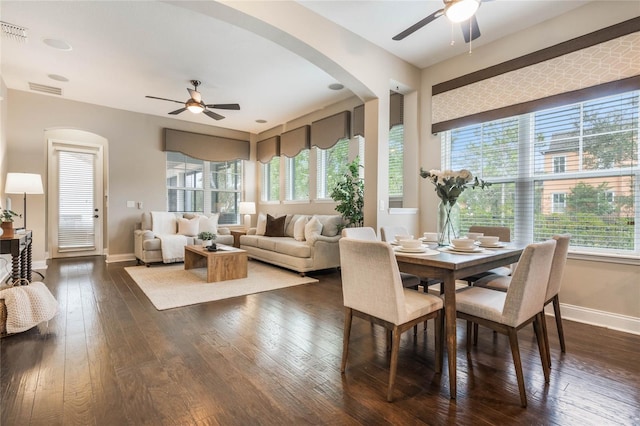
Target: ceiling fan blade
[[195, 95], [415, 27], [178, 111], [235, 107], [213, 115], [470, 24], [164, 99]]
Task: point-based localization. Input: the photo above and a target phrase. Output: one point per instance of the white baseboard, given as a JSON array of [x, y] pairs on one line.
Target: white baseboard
[[598, 318], [114, 258], [39, 265]]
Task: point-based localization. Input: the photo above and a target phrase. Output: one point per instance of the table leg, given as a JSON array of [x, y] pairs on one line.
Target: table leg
[[29, 261], [451, 331], [15, 268]]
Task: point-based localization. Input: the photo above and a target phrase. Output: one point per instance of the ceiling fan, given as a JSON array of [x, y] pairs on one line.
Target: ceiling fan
[[195, 104], [462, 11]]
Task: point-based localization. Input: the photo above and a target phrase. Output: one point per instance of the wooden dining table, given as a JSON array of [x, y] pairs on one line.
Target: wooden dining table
[[449, 267]]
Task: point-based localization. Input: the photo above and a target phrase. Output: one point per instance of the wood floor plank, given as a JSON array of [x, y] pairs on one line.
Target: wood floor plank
[[109, 357]]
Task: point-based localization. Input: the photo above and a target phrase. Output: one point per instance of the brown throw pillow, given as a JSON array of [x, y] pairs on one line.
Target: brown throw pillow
[[275, 226]]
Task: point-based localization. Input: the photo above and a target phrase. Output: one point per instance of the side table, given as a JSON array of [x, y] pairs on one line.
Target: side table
[[19, 247], [236, 237]]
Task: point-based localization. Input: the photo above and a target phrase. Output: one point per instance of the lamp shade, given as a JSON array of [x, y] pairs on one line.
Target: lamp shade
[[247, 207], [23, 183]]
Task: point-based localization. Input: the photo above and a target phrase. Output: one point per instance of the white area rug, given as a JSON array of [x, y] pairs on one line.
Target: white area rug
[[170, 286]]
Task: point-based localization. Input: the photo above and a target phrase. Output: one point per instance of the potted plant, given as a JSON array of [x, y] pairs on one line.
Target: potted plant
[[349, 194], [6, 216], [207, 238]]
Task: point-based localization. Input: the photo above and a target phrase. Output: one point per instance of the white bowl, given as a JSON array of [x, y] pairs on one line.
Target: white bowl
[[474, 235], [465, 243], [488, 240], [430, 236], [400, 237], [411, 244]]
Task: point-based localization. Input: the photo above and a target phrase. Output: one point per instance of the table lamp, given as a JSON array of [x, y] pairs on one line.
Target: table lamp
[[23, 183], [247, 208]]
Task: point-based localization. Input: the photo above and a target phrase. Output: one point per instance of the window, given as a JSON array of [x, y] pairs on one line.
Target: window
[[559, 202], [594, 145], [297, 177], [271, 180], [559, 164], [396, 162], [189, 191], [330, 167]]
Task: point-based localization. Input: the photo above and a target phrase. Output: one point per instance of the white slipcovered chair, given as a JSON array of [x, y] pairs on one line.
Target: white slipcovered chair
[[502, 283], [522, 304], [372, 290]]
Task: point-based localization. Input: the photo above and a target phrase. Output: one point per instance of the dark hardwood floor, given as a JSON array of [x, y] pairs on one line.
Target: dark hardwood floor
[[110, 358]]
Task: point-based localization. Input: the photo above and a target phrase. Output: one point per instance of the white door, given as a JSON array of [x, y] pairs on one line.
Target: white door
[[75, 194]]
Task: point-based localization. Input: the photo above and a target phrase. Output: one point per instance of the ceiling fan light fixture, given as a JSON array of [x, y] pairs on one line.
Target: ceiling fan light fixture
[[194, 107], [461, 10]]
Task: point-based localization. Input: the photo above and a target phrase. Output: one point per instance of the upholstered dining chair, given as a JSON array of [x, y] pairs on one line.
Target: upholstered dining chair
[[372, 290], [388, 234], [502, 283], [522, 304], [369, 234]]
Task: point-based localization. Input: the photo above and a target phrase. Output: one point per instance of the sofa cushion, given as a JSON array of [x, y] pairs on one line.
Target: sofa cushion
[[275, 226], [188, 226], [292, 247], [261, 226], [312, 230], [298, 228], [330, 224], [208, 224], [291, 222]]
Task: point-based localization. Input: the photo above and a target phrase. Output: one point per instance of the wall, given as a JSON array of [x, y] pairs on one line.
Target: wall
[[604, 293], [137, 164]]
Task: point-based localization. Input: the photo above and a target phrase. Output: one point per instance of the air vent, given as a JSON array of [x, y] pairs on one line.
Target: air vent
[[45, 89], [14, 32]]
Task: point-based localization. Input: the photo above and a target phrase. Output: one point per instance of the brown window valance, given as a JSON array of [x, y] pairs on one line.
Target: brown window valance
[[327, 132], [358, 121], [205, 147], [268, 148], [294, 141]]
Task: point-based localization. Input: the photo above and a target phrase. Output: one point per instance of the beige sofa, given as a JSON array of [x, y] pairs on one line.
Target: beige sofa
[[303, 251], [148, 238]]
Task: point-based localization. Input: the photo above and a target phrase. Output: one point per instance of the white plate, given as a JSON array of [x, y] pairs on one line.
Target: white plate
[[453, 251], [465, 250], [424, 240], [411, 250], [497, 245]]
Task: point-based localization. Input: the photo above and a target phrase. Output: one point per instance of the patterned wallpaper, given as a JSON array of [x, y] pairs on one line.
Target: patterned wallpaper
[[602, 63]]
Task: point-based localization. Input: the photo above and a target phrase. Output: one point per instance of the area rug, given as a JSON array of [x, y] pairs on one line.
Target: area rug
[[170, 286]]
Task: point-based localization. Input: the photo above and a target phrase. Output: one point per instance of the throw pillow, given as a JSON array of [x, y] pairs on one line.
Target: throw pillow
[[330, 224], [291, 223], [188, 227], [208, 224], [312, 230], [298, 228], [275, 226], [261, 226]]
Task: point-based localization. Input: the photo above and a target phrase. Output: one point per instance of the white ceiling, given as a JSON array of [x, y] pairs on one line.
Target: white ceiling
[[124, 50]]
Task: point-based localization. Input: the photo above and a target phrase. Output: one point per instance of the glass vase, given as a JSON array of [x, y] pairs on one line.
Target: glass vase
[[448, 222]]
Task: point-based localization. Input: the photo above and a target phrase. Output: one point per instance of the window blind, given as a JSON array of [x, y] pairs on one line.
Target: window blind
[[76, 201], [572, 169]]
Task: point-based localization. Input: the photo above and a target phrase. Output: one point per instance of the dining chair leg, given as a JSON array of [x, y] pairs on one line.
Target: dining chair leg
[[515, 352], [469, 331], [393, 367], [556, 312], [439, 333], [348, 318], [475, 334], [545, 334], [542, 347]]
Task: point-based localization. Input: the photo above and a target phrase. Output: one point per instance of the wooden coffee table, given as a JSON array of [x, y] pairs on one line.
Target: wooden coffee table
[[227, 263]]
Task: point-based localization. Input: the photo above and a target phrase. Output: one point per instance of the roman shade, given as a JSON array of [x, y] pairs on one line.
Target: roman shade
[[205, 147], [358, 121], [396, 109], [268, 148], [327, 132], [605, 61], [294, 141]]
